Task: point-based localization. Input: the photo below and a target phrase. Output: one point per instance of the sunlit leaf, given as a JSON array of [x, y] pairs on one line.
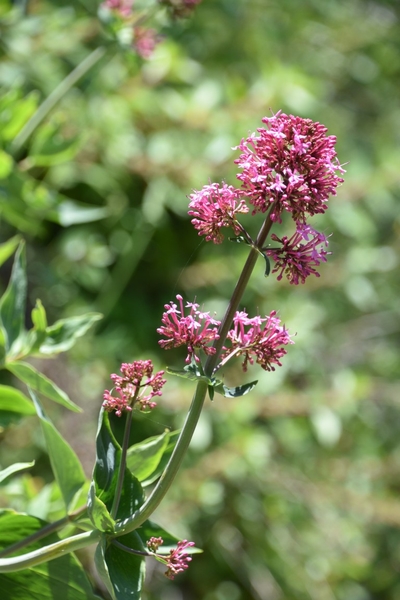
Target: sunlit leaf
[[40, 383], [126, 571], [143, 458], [66, 466], [15, 468], [8, 248]]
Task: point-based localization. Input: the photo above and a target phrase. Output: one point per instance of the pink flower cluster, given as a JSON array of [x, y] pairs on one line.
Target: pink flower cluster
[[259, 339], [195, 330], [178, 559], [298, 256], [215, 207], [131, 388], [289, 165], [121, 7]]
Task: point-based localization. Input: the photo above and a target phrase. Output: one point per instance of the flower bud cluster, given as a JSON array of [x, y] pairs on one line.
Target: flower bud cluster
[[137, 385]]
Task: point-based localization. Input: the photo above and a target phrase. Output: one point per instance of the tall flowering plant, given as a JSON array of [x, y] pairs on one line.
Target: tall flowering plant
[[287, 166]]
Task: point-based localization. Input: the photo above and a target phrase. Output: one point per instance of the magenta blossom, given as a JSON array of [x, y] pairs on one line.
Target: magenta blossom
[[195, 330], [145, 40], [178, 559], [255, 341], [122, 7], [291, 165], [298, 256], [132, 387], [215, 207]]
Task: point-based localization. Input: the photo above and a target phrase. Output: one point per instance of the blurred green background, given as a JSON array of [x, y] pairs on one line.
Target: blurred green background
[[293, 490]]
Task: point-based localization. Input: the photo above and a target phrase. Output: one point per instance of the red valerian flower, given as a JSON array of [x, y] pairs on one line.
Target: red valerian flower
[[290, 165], [122, 7], [195, 330], [132, 387], [298, 256], [145, 40], [259, 339], [214, 207], [178, 559]]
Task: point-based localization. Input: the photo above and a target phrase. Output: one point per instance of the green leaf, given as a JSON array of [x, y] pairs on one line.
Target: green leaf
[[63, 334], [14, 469], [13, 405], [143, 458], [150, 529], [6, 164], [39, 318], [70, 213], [239, 239], [125, 570], [234, 392], [99, 515], [173, 437], [8, 248], [13, 302], [60, 579], [105, 474], [194, 371], [40, 383], [102, 568], [267, 265], [65, 464], [50, 147]]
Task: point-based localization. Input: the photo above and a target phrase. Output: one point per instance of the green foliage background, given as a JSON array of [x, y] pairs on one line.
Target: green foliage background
[[292, 491]]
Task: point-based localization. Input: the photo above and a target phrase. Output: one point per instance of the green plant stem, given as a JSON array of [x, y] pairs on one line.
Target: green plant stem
[[193, 415], [122, 465], [30, 559], [44, 532], [55, 96]]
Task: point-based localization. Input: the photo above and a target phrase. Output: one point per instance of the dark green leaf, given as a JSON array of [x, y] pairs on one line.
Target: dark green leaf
[[144, 458], [102, 568], [267, 265], [40, 383], [194, 371], [234, 392], [13, 302], [63, 334], [66, 466], [126, 571], [105, 474], [239, 239], [150, 529], [59, 579]]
